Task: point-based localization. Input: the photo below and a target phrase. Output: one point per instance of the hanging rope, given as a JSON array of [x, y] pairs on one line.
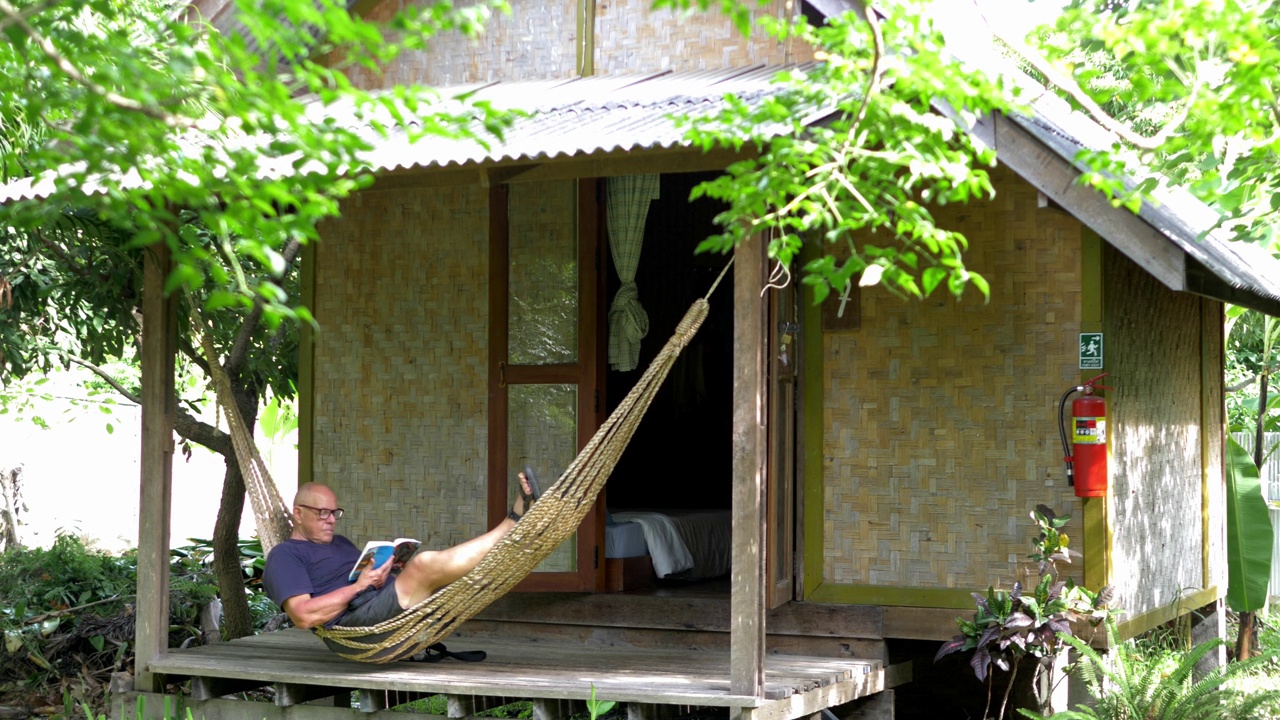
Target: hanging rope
[[552, 520], [269, 510]]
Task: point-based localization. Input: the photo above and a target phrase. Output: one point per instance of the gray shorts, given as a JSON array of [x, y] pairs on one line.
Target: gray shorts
[[368, 608]]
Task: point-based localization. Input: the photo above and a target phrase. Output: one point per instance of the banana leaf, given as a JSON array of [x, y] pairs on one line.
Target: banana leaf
[[1249, 533]]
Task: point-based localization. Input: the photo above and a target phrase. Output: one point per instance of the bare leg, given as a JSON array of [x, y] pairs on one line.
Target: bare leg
[[430, 570]]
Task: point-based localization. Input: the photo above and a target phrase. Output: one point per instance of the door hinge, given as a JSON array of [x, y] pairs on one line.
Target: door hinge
[[595, 558], [596, 402]]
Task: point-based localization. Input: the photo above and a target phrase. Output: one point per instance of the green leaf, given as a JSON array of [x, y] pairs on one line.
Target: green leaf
[[1249, 533]]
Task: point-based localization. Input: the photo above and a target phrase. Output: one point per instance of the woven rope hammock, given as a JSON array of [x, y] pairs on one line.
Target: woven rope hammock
[[550, 521]]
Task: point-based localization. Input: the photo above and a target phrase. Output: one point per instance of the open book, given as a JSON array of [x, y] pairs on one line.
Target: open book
[[377, 552]]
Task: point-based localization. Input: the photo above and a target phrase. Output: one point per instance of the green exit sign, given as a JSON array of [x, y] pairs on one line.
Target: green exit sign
[[1090, 351]]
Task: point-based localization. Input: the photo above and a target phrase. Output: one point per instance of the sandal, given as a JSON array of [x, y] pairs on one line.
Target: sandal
[[530, 497]]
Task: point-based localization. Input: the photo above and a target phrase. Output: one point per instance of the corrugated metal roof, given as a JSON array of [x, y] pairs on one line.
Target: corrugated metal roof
[[573, 117], [584, 116], [1173, 211]]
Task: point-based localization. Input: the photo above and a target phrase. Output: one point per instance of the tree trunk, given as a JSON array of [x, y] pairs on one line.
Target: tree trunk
[[10, 507], [237, 620], [1259, 435]]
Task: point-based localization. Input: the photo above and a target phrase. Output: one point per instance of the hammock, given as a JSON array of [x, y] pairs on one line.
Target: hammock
[[550, 521]]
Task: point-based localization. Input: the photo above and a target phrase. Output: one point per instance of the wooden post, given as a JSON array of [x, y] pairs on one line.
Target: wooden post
[[159, 345], [747, 595]]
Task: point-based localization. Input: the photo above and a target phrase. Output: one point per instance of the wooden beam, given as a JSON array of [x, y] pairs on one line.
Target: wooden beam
[[816, 700], [295, 694], [306, 370], [750, 441], [1057, 178], [557, 709], [208, 688], [159, 346]]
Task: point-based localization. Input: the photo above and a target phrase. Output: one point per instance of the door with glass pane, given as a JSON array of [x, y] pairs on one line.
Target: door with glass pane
[[544, 370]]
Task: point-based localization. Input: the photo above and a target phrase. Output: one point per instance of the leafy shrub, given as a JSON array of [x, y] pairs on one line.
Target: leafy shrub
[[1010, 626], [1153, 682]]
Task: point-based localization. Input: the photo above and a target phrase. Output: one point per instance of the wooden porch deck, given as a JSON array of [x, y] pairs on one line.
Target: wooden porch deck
[[302, 669]]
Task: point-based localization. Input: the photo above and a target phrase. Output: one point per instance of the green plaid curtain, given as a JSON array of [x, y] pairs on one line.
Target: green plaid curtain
[[627, 206]]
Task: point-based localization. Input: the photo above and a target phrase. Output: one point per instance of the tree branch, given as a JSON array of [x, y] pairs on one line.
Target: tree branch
[[202, 433], [184, 423], [1102, 117], [240, 346], [135, 399], [1243, 384], [184, 343], [15, 17]]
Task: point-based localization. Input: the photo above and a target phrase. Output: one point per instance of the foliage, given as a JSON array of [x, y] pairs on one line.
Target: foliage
[[1193, 83], [48, 632], [1249, 533], [1155, 685], [1253, 358], [1010, 626], [66, 614], [140, 710], [861, 182], [596, 708], [144, 115]]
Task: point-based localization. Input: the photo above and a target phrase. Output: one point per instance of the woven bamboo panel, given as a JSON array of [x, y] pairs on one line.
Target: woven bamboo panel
[[940, 416], [630, 37], [401, 379], [1153, 353], [536, 41]]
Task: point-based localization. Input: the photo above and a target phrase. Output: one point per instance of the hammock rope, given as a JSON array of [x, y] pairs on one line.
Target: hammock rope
[[270, 512], [548, 523]]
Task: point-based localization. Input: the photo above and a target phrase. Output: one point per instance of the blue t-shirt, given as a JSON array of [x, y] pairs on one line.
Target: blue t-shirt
[[301, 567]]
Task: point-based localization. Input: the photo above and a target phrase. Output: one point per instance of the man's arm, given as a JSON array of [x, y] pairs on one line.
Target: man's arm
[[307, 611]]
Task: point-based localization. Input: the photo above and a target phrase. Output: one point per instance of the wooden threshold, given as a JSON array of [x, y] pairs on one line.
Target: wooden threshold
[[794, 685]]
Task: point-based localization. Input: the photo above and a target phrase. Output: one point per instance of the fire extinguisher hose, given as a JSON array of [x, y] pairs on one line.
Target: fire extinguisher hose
[[1062, 432]]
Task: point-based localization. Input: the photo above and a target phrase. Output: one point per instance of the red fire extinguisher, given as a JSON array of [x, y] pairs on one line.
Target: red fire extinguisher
[[1086, 459]]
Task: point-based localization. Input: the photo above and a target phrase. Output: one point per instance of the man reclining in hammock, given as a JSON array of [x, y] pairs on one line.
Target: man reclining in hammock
[[306, 575]]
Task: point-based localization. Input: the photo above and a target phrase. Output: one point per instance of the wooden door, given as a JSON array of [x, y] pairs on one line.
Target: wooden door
[[784, 324], [544, 369]]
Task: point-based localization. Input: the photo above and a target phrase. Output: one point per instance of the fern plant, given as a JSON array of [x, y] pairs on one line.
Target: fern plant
[[1132, 685]]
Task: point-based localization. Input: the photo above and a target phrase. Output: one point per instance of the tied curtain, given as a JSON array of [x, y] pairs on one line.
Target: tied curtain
[[627, 208]]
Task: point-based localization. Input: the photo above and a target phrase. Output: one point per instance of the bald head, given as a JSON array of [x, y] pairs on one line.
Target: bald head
[[314, 493], [313, 500]]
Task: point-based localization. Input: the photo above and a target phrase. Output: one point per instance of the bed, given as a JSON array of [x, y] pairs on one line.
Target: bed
[[641, 546]]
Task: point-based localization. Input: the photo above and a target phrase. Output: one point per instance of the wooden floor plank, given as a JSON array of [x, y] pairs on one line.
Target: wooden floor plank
[[534, 670]]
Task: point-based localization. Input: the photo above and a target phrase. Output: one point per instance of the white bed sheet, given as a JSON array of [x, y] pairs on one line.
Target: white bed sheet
[[624, 540], [689, 544], [666, 548]]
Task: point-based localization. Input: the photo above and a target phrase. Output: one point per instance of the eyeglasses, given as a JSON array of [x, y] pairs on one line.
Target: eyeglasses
[[324, 513]]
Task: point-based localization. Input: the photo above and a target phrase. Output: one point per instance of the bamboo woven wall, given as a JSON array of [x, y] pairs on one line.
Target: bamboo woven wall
[[1153, 346], [538, 40], [632, 38], [400, 414], [940, 431]]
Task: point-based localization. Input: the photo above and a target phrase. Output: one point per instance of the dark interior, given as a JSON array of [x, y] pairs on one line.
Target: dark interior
[[682, 453]]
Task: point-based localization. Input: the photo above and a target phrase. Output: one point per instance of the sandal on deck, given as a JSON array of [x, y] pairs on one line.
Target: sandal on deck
[[437, 652], [530, 497]]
